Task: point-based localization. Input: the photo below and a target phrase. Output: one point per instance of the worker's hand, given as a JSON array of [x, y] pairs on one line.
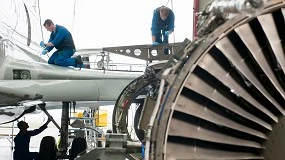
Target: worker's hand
[[155, 43], [44, 52], [42, 44], [167, 33]]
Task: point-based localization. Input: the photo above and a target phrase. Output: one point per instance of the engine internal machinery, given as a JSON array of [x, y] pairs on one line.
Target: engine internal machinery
[[224, 97]]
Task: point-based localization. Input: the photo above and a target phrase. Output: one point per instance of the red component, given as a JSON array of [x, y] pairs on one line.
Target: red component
[[125, 103], [195, 17]]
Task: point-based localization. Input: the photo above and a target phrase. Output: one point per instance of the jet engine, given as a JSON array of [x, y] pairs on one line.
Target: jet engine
[[224, 97]]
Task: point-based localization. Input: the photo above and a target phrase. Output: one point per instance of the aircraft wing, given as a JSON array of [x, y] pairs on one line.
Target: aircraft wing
[[25, 84], [103, 89], [22, 80], [15, 69]]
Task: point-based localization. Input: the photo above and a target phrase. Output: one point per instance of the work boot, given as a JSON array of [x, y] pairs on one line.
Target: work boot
[[78, 61]]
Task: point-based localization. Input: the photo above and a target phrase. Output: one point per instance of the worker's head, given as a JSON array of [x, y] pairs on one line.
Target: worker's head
[[22, 125], [164, 11], [48, 24]]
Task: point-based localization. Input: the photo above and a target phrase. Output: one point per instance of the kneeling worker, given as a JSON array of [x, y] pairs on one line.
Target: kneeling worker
[[62, 40]]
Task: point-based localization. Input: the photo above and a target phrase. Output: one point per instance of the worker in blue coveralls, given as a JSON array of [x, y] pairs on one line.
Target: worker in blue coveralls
[[62, 40], [162, 25], [22, 141]]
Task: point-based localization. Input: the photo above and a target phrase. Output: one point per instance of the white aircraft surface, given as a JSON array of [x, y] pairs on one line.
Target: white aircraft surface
[[27, 81], [25, 75]]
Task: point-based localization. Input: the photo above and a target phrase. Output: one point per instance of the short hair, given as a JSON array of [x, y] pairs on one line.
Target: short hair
[[48, 22], [20, 124], [164, 11]]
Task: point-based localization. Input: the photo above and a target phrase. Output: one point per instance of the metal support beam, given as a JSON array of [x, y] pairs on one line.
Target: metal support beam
[[145, 52], [63, 145], [43, 108]]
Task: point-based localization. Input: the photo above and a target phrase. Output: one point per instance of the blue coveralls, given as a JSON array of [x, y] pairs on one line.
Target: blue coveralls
[[62, 40], [159, 26], [143, 150], [22, 142]]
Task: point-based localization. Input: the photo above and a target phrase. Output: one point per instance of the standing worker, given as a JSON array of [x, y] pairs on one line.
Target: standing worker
[[162, 25], [22, 141], [62, 40]]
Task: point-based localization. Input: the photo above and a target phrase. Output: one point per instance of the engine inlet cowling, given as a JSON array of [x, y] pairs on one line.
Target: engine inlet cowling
[[226, 100]]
